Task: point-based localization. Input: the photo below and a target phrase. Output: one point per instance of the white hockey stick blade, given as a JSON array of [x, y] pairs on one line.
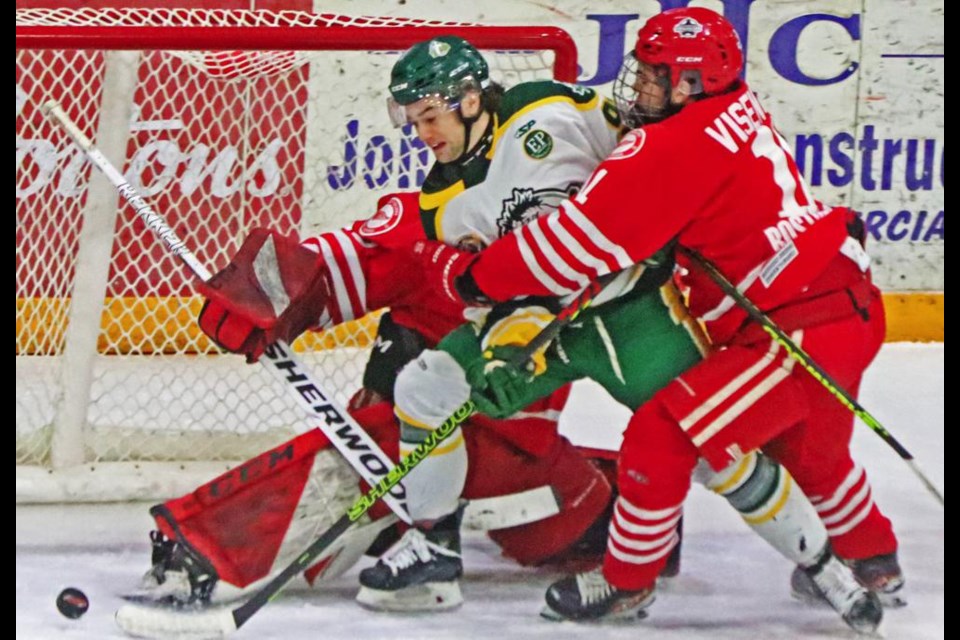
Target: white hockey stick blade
[[500, 512], [142, 621]]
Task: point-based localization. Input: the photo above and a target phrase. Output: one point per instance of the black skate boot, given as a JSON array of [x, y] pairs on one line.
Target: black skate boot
[[421, 572], [588, 596], [833, 582], [882, 575], [879, 574]]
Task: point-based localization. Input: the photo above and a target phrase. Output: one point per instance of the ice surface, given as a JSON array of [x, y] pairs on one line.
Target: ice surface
[[731, 585]]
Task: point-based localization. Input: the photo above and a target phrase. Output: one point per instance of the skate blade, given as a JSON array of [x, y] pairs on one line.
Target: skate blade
[[622, 617], [430, 596]]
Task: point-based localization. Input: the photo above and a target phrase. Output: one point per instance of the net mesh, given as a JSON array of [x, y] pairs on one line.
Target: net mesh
[[219, 142]]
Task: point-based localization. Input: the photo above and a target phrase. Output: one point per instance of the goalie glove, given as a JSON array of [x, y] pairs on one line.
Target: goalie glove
[[273, 289]]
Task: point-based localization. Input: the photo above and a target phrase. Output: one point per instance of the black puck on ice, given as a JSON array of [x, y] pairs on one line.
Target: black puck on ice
[[72, 603]]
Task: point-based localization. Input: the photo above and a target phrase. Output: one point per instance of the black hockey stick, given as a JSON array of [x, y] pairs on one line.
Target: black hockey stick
[[154, 622], [815, 370]]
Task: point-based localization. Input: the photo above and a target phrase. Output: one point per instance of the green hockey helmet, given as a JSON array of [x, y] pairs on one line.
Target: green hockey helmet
[[445, 67]]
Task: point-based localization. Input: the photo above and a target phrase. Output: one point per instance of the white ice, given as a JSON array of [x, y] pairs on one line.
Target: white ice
[[730, 586]]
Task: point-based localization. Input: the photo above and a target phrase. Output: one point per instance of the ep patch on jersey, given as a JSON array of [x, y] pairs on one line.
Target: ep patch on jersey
[[538, 144]]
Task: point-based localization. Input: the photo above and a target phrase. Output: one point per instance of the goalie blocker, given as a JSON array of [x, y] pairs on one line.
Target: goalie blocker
[[230, 535]]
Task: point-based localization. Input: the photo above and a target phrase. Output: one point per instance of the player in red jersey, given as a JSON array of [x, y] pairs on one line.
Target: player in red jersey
[[709, 171]]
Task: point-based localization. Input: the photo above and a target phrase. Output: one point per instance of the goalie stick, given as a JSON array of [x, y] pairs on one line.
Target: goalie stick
[[353, 442], [814, 369], [156, 622]]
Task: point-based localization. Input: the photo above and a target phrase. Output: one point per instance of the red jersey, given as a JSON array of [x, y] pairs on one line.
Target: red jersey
[[719, 178], [372, 266]]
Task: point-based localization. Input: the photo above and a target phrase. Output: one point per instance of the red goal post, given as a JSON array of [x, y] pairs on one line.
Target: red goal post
[[225, 120]]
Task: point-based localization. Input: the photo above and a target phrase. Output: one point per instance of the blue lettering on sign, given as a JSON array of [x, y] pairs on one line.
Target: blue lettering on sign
[[378, 162], [612, 38], [783, 47], [907, 161], [912, 226], [378, 167]]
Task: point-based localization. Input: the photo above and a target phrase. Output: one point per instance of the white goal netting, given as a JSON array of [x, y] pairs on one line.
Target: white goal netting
[[224, 120]]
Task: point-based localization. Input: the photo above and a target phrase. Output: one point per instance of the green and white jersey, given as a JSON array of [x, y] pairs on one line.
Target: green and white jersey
[[545, 140]]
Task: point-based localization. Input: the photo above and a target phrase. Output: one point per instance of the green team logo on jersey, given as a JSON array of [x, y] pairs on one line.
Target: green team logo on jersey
[[538, 144]]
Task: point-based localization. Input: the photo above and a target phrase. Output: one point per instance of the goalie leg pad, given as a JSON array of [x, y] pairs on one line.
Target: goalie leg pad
[[254, 519], [581, 487]]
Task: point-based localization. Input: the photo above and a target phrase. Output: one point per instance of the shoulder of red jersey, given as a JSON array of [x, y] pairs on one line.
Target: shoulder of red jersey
[[396, 222], [354, 251]]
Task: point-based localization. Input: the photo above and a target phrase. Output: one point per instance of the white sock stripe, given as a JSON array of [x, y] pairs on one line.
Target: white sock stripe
[[850, 523], [854, 502], [635, 544], [730, 388], [558, 263], [638, 558], [646, 514], [642, 529], [533, 266], [839, 495], [355, 269], [600, 241]]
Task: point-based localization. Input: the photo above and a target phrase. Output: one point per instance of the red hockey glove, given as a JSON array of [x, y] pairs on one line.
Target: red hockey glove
[[273, 289], [448, 269]]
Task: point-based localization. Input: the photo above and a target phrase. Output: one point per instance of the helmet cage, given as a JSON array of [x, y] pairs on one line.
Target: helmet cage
[[629, 87]]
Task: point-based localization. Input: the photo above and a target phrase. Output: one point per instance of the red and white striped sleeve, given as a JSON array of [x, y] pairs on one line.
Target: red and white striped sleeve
[[370, 261], [344, 253], [611, 224], [565, 250]]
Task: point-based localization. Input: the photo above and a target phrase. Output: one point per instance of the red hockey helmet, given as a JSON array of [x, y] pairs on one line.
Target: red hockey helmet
[[692, 44], [692, 39]]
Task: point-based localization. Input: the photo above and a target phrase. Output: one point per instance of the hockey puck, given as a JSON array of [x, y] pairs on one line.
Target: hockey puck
[[72, 603]]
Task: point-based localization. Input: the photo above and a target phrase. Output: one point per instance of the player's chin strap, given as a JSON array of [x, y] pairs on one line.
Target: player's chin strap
[[152, 622], [798, 354]]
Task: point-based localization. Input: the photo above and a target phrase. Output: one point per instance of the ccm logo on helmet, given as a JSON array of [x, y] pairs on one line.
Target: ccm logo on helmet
[[689, 58]]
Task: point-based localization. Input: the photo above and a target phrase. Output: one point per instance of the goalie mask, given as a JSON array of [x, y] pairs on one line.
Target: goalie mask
[[444, 68], [692, 45]]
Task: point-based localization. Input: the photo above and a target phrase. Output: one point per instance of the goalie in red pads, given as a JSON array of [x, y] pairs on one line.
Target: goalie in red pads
[[233, 532]]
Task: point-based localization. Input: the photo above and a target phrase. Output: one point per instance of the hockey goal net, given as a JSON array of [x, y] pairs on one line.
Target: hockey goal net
[[224, 120]]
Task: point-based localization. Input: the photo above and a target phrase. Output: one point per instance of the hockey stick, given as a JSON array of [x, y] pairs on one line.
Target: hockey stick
[[351, 440], [798, 354], [147, 622]]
